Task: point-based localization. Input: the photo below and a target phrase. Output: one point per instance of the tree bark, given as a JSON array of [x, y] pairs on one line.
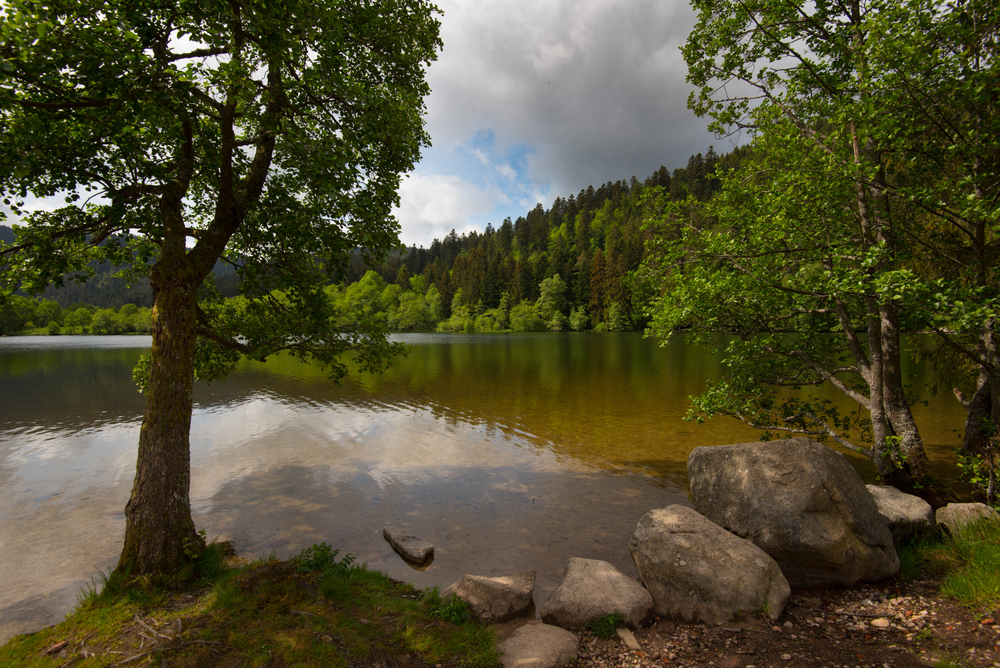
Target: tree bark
[[977, 416], [880, 425], [910, 457], [158, 524]]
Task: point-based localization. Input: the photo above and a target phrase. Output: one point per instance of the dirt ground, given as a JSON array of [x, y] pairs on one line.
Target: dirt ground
[[866, 626], [885, 625]]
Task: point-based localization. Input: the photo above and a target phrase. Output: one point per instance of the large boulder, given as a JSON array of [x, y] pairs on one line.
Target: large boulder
[[539, 646], [697, 571], [907, 516], [800, 502], [592, 589], [495, 600], [954, 516]]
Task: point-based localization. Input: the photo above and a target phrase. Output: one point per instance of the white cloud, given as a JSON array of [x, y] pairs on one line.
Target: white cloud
[[431, 205], [506, 171]]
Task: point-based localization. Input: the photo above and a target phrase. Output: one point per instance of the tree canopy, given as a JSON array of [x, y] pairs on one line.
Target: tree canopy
[[269, 134], [868, 206]]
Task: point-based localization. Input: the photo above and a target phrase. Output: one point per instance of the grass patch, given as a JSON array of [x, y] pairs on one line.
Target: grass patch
[[969, 562], [312, 610], [605, 627], [974, 553]]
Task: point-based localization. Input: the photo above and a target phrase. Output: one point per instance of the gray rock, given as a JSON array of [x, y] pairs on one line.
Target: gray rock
[[592, 589], [907, 516], [539, 646], [954, 516], [697, 571], [407, 545], [800, 502], [495, 600]]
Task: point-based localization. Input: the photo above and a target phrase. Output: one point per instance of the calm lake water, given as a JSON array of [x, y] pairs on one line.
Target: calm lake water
[[507, 452]]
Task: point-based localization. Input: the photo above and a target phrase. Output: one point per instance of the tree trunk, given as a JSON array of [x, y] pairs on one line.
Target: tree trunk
[[158, 525], [977, 416], [909, 456]]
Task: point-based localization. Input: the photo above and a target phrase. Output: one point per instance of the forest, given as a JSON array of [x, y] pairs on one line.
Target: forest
[[574, 266]]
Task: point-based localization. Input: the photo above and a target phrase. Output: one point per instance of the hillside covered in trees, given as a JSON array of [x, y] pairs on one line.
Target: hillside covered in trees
[[572, 266]]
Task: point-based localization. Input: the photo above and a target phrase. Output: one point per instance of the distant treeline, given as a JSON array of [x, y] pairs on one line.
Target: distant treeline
[[593, 241], [570, 266], [105, 290], [45, 316]]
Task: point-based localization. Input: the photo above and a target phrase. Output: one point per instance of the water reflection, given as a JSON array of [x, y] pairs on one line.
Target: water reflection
[[507, 452]]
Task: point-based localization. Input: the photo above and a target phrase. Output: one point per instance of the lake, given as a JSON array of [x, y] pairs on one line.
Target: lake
[[507, 452]]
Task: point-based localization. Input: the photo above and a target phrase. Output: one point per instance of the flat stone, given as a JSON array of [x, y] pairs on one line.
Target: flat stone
[[495, 600], [629, 639], [407, 545], [539, 646]]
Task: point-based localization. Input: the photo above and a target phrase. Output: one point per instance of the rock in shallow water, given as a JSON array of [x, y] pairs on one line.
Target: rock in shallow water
[[408, 546]]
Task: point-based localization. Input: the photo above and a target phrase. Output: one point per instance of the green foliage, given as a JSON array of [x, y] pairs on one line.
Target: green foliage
[[604, 627], [191, 551], [979, 469], [618, 318], [578, 319], [552, 303], [973, 555], [524, 318], [452, 609], [839, 230], [322, 558], [911, 558]]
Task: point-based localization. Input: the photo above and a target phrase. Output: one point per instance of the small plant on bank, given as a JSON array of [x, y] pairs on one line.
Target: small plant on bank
[[604, 627], [452, 609], [323, 559]]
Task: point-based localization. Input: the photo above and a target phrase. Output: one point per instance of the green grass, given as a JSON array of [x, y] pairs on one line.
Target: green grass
[[313, 610], [969, 562], [974, 578], [604, 627]]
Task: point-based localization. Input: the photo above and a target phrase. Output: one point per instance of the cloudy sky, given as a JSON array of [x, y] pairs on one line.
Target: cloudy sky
[[537, 100]]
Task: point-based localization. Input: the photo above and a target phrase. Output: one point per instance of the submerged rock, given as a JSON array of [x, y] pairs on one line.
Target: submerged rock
[[408, 546]]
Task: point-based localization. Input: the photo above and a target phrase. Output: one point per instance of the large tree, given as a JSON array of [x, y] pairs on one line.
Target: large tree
[[270, 135], [813, 254]]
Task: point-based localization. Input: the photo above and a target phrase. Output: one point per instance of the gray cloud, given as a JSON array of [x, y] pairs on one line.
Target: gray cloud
[[595, 87]]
